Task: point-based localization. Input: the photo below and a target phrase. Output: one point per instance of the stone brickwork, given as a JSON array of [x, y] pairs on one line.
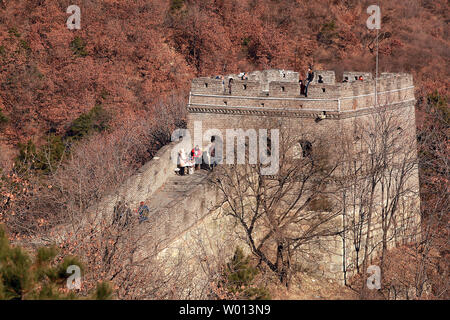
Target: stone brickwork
[[324, 77], [211, 102], [275, 95], [185, 219], [350, 76]]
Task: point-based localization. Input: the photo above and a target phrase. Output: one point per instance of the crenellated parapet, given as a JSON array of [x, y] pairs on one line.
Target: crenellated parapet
[[280, 89]]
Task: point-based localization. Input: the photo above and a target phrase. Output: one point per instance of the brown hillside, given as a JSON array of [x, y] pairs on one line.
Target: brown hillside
[[127, 54]]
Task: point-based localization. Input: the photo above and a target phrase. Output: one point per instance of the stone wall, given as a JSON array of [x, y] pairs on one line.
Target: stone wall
[[193, 229], [330, 109], [146, 181], [324, 77], [352, 76], [285, 94]]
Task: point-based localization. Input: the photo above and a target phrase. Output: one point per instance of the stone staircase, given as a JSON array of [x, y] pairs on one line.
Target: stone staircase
[[180, 203], [175, 190]]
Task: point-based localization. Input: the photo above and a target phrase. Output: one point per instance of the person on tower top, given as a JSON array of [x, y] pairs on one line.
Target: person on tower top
[[309, 79], [302, 86]]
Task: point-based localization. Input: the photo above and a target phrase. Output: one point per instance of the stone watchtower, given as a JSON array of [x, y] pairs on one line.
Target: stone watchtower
[[220, 104], [276, 93]]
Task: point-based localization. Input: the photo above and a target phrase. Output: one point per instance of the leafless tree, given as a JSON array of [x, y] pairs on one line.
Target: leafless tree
[[280, 214], [380, 186], [432, 267]]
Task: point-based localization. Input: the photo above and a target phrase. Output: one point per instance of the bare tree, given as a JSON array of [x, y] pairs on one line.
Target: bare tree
[[58, 208], [280, 214], [380, 186], [431, 276]]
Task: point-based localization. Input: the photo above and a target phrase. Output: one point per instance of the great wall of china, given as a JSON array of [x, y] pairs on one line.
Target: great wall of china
[[183, 207], [184, 216]]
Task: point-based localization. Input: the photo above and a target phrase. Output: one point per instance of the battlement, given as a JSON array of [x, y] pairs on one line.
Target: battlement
[[280, 89]]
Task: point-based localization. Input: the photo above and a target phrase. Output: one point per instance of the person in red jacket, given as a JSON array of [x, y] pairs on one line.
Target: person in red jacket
[[196, 154]]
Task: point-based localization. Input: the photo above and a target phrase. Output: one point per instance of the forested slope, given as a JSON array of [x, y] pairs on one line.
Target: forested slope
[[128, 54]]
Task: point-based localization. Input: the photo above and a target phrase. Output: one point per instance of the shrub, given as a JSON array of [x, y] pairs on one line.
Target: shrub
[[49, 156], [44, 159], [96, 120], [176, 5], [14, 32], [27, 155], [439, 104], [103, 292], [24, 45], [245, 44], [78, 46], [327, 32], [25, 278], [104, 94], [240, 275], [3, 119], [100, 118]]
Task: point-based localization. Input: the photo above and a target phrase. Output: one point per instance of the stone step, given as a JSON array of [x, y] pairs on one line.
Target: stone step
[[174, 191]]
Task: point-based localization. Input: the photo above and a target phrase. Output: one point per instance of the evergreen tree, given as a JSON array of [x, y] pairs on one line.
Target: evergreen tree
[[96, 120], [240, 275], [25, 278]]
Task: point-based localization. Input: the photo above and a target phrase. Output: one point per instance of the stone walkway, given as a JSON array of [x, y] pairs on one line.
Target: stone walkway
[[176, 189], [175, 207]]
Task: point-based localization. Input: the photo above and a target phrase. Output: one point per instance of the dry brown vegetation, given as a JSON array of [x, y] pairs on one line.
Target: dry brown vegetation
[[130, 57], [128, 54]]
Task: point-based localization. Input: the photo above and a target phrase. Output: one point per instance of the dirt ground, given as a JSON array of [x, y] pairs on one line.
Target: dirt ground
[[311, 288]]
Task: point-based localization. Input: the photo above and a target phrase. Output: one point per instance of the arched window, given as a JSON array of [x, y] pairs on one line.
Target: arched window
[[306, 148], [215, 148], [302, 149]]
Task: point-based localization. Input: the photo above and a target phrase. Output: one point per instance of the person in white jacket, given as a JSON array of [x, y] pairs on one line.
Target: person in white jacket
[[182, 161]]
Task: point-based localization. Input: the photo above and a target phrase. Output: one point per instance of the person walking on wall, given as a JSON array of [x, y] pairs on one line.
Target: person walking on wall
[[143, 212], [302, 87], [212, 161]]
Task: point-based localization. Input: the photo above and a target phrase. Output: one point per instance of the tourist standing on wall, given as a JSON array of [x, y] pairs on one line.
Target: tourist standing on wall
[[309, 79], [182, 161], [196, 154], [211, 154]]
